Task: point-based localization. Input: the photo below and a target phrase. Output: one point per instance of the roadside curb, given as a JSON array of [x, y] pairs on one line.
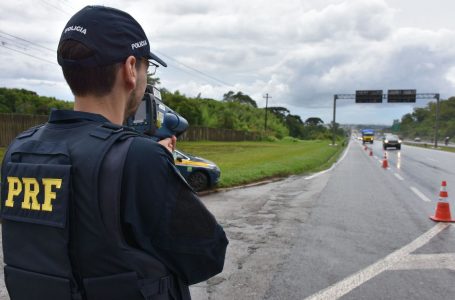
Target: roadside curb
[[219, 190]]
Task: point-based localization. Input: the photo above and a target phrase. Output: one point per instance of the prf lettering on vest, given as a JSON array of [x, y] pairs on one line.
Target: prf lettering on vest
[[31, 189]]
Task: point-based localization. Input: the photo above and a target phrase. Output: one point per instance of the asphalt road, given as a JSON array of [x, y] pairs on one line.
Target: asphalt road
[[365, 214], [357, 231]]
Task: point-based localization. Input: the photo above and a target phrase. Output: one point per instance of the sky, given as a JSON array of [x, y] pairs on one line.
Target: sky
[[301, 53]]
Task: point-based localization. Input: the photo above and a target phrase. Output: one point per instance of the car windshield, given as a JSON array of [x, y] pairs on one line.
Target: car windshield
[[391, 137]]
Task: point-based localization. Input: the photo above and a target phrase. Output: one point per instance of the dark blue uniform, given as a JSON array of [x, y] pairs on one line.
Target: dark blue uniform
[[93, 211], [166, 217]]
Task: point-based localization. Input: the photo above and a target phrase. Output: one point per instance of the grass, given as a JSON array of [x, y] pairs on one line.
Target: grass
[[246, 162]]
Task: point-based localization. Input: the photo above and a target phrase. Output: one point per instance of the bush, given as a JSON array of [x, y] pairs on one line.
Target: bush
[[290, 139], [269, 138]]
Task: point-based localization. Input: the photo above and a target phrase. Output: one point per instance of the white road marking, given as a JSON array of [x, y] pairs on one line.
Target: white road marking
[[426, 261], [398, 176], [346, 285], [333, 166], [420, 194]]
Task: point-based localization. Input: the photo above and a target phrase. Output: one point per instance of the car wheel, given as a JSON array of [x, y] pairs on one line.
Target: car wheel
[[399, 147], [198, 181], [384, 147]]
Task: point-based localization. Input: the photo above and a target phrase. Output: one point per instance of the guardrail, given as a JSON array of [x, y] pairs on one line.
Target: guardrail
[[429, 144]]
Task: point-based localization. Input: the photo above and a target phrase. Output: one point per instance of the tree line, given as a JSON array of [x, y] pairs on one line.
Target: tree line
[[236, 111], [421, 122], [239, 111], [21, 101]]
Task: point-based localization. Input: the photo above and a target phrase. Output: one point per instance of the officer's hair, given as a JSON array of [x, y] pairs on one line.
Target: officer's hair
[[84, 81]]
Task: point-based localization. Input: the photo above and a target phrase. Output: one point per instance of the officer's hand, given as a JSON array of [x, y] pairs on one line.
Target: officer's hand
[[169, 143]]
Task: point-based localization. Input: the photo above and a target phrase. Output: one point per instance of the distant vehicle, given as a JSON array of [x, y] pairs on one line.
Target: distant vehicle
[[417, 139], [391, 140], [367, 136], [200, 173]]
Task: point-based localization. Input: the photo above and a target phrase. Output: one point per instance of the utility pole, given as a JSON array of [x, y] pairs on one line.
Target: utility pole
[[266, 105], [436, 123], [335, 97]]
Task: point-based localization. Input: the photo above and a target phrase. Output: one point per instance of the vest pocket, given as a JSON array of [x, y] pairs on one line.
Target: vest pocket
[[114, 287], [26, 285]]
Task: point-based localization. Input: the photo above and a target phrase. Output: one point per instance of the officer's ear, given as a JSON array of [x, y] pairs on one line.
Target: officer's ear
[[130, 72]]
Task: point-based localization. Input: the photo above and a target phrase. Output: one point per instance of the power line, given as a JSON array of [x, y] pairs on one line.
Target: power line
[[24, 53], [183, 70], [19, 38], [68, 5], [178, 68], [55, 7], [8, 40], [167, 56], [196, 70]]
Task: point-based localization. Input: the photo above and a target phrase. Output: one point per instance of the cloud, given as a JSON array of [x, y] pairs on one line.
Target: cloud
[[307, 53], [350, 19], [300, 52], [306, 48]]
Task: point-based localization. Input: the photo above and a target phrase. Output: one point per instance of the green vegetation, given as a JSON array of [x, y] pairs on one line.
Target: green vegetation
[[223, 114], [22, 101], [420, 123], [244, 162], [237, 111]]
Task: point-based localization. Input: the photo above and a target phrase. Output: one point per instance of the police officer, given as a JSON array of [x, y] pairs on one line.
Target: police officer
[[91, 209]]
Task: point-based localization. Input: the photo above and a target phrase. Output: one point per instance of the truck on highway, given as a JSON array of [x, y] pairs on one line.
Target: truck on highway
[[367, 136]]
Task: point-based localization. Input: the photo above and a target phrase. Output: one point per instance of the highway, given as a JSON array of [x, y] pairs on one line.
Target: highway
[[355, 231], [358, 231]]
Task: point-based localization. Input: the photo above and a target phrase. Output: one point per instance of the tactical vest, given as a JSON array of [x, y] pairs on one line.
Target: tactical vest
[[62, 235]]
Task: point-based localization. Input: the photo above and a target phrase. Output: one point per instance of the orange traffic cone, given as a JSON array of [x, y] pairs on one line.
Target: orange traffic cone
[[371, 152], [442, 213], [385, 163], [366, 148], [443, 192]]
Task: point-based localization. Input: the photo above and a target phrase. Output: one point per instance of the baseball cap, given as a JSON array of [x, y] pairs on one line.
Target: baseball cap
[[111, 34]]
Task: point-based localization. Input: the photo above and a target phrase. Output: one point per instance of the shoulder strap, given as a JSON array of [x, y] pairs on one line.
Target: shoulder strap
[[111, 175], [106, 130], [29, 132], [102, 138]]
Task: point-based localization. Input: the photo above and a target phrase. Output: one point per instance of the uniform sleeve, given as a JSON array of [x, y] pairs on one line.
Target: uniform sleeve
[[163, 216]]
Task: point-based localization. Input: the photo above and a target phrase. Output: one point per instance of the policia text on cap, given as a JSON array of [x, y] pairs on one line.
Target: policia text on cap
[[92, 209]]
